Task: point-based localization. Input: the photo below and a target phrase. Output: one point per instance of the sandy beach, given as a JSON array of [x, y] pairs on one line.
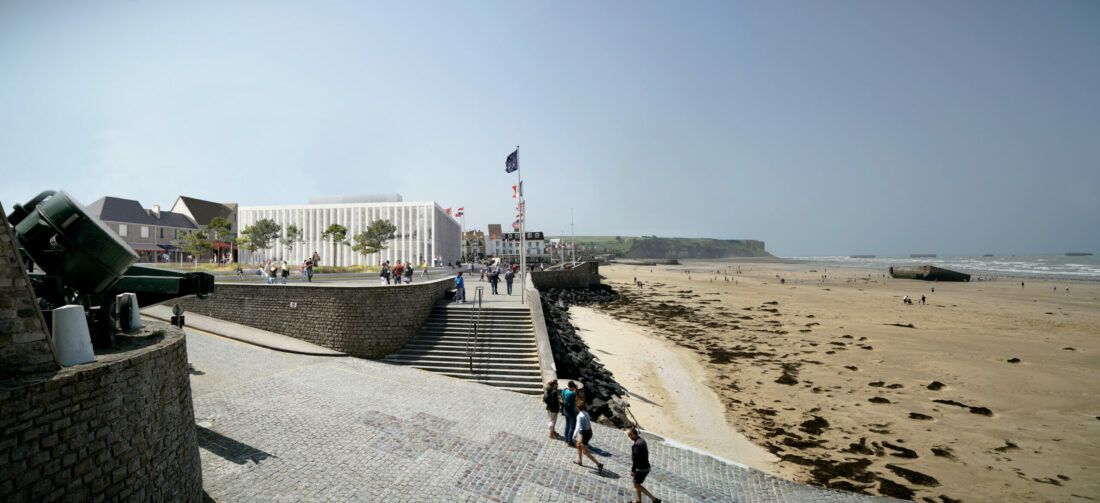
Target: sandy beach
[[987, 392]]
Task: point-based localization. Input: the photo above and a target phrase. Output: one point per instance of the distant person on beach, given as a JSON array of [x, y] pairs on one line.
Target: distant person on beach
[[552, 399], [1021, 284], [569, 409], [639, 465], [582, 436], [460, 289], [922, 299]]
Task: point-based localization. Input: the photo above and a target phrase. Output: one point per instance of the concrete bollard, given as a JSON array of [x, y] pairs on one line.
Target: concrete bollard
[[71, 336], [129, 307]]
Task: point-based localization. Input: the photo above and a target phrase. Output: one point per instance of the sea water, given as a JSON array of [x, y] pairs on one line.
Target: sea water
[[1034, 266]]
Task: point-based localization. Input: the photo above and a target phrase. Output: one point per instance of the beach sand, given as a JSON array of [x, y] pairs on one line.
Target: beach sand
[[992, 393]]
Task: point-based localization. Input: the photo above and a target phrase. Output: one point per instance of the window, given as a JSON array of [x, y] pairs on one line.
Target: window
[[161, 232], [122, 230], [145, 231]]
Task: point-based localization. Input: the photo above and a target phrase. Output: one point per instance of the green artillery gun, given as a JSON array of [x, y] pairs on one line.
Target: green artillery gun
[[83, 262]]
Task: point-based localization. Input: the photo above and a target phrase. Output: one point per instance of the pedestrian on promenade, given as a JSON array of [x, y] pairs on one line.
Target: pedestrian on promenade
[[460, 289], [508, 278], [552, 399], [408, 273], [284, 270], [307, 271], [494, 280], [424, 266], [272, 272], [569, 409], [398, 272], [582, 436], [384, 273], [639, 465]]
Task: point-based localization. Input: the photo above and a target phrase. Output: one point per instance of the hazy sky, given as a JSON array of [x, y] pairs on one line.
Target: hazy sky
[[821, 127]]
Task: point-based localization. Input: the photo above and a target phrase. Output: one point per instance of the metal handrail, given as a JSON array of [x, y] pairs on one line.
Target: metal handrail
[[471, 337]]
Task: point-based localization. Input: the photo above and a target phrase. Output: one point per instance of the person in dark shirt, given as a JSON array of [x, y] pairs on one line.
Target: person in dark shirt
[[552, 399], [639, 465]]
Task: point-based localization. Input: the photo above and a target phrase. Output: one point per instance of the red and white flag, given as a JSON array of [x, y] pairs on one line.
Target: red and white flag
[[515, 191], [448, 210]]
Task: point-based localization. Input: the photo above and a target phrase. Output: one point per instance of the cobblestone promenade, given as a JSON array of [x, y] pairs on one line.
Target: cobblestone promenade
[[276, 426]]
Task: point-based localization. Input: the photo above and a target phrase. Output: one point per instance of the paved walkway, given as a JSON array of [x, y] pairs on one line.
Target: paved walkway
[[276, 426]]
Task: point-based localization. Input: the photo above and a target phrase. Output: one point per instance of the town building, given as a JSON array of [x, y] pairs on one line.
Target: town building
[[536, 247], [424, 232], [473, 246], [494, 241], [154, 234], [202, 212]]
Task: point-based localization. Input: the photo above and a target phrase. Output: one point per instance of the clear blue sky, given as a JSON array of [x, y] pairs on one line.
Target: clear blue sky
[[821, 127]]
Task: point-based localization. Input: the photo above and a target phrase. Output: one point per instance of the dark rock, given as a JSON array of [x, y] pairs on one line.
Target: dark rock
[[893, 489], [860, 448], [943, 452], [814, 426], [1013, 360], [936, 386], [878, 399], [982, 411], [900, 451], [919, 416], [912, 476], [877, 384]]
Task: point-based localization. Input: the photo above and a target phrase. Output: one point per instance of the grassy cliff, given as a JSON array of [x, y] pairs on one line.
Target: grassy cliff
[[670, 248]]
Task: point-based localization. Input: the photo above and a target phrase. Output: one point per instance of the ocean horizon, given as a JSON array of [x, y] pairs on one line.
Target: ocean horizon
[[1023, 266]]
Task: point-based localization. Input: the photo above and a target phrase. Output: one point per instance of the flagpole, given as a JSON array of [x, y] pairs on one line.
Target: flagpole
[[522, 234], [573, 238]]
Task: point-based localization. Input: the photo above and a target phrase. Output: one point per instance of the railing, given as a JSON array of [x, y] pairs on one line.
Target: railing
[[471, 337]]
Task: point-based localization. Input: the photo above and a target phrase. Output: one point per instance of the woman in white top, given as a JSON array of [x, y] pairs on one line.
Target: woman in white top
[[584, 433]]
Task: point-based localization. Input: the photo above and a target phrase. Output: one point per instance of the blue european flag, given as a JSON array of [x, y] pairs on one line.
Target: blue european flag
[[512, 163]]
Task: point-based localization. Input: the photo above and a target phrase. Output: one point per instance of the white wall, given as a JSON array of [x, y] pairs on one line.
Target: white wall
[[423, 231]]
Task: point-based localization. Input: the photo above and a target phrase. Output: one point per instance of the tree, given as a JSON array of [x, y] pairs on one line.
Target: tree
[[338, 234], [219, 229], [195, 242], [262, 234], [293, 235], [373, 240]]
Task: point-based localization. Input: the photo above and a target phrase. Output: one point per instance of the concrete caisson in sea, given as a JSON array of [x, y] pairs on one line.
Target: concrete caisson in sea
[[927, 273]]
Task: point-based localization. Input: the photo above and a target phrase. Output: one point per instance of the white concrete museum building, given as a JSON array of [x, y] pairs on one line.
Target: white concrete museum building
[[425, 233]]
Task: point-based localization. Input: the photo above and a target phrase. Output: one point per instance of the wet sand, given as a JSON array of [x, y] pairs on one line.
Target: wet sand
[[988, 392]]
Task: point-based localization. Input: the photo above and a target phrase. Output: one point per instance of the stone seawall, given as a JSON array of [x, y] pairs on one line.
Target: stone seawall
[[585, 275], [363, 321], [23, 343], [122, 428]]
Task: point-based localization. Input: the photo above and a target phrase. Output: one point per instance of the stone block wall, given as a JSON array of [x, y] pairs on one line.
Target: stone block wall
[[582, 276], [24, 346], [363, 321], [122, 428]]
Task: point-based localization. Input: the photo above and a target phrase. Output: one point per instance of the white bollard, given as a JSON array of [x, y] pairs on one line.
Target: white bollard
[[71, 336], [130, 300]]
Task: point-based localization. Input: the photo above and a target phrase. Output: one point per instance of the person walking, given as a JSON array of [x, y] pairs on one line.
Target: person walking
[[460, 289], [398, 272], [639, 465], [569, 410], [508, 278], [424, 266], [409, 273], [284, 271], [307, 271], [552, 399], [582, 436], [494, 280], [384, 273]]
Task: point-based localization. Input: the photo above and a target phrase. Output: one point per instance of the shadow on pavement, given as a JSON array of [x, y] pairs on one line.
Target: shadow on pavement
[[228, 448]]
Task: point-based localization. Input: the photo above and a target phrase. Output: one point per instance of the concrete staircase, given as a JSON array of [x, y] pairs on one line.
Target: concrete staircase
[[504, 354]]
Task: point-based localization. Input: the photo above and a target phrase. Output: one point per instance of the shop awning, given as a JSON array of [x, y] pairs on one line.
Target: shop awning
[[145, 248], [168, 248]]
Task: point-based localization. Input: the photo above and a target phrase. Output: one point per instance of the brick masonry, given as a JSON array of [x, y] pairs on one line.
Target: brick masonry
[[122, 428], [582, 276], [23, 343], [363, 321]]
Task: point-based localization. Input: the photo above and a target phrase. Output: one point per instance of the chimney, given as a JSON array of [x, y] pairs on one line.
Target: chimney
[[156, 211]]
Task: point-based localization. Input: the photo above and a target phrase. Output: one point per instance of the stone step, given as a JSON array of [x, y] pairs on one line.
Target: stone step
[[481, 340], [498, 358], [496, 375], [522, 327], [458, 334], [463, 365], [518, 350], [482, 349]]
